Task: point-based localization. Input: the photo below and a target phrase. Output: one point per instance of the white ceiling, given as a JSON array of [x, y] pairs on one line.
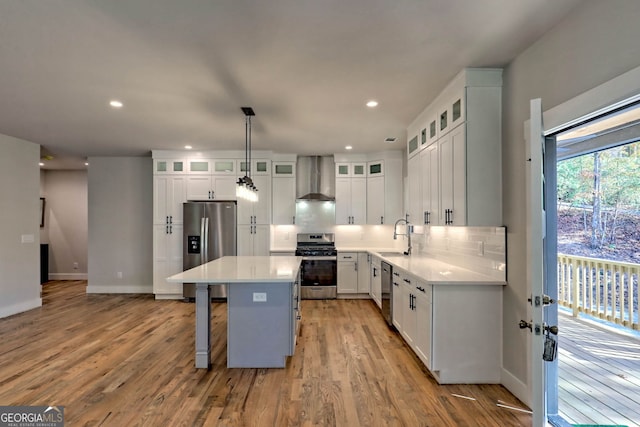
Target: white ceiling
[[184, 68]]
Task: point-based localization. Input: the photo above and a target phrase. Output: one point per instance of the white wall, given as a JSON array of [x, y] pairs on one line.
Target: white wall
[[66, 223], [120, 225], [19, 221], [594, 44]]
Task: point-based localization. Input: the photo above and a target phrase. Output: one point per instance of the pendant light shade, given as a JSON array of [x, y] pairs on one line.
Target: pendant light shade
[[245, 188]]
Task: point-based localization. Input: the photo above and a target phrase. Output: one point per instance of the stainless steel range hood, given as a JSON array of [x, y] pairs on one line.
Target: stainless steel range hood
[[315, 179]]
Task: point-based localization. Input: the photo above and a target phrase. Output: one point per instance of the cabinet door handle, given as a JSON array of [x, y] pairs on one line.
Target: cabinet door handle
[[293, 219], [381, 220], [355, 265], [170, 219], [170, 229], [166, 221], [166, 229]]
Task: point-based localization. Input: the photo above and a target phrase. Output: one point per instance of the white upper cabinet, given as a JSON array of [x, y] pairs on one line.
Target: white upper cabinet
[[283, 200], [168, 166], [169, 193], [430, 181], [283, 191], [257, 212], [344, 170], [351, 200], [283, 169], [375, 168], [460, 178], [259, 167]]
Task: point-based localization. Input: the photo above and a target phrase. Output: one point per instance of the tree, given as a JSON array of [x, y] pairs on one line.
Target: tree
[[604, 183], [597, 231]]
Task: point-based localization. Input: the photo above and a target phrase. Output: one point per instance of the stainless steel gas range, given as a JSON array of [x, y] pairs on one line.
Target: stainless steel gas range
[[319, 265]]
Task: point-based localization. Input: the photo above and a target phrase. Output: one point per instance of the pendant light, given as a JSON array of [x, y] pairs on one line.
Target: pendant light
[[245, 188]]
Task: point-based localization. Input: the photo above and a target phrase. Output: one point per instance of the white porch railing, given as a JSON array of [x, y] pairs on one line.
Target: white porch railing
[[600, 288]]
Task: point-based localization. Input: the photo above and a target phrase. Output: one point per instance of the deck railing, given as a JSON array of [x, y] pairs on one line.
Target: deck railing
[[601, 288]]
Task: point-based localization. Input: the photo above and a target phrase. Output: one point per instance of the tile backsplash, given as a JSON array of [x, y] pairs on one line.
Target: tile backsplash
[[482, 249]]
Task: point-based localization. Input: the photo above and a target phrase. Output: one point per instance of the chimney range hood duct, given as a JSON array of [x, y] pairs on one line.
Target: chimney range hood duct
[[315, 179]]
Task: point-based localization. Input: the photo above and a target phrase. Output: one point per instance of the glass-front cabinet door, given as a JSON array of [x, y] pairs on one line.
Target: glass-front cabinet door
[[224, 167], [375, 168], [168, 166], [259, 167], [284, 169]]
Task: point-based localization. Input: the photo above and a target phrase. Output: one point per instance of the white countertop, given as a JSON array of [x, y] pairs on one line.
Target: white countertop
[[436, 272], [242, 269]]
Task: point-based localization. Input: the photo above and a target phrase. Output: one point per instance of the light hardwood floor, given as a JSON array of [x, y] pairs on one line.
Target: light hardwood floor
[[127, 360]]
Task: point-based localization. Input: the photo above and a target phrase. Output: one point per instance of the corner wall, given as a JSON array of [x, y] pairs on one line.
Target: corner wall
[[594, 44], [19, 226], [120, 225]]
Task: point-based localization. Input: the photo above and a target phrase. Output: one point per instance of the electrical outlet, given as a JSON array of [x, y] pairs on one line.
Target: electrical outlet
[[259, 297], [75, 266], [480, 248], [119, 274]]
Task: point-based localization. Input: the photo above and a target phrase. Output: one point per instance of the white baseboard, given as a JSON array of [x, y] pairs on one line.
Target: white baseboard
[[20, 307], [516, 387], [68, 276], [120, 289]]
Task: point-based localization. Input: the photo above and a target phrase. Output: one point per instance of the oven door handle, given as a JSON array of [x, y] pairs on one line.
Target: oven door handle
[[320, 258]]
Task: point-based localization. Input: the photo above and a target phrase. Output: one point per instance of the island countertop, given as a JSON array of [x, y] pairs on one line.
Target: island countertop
[[242, 269]]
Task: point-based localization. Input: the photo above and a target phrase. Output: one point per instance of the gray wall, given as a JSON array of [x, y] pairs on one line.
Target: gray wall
[[66, 223], [19, 219], [595, 43], [120, 225]]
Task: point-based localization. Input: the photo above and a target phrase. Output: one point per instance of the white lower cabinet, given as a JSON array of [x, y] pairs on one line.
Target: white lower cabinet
[[376, 281], [364, 276], [397, 300], [422, 339], [454, 329], [253, 240], [167, 260], [347, 273], [407, 316]]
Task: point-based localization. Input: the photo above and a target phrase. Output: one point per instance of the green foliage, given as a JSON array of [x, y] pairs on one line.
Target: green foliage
[[620, 178]]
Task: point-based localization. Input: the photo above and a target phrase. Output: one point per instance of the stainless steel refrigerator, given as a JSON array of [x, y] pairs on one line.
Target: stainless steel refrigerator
[[209, 233]]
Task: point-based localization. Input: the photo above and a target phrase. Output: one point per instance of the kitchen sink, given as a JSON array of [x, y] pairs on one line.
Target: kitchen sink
[[391, 254]]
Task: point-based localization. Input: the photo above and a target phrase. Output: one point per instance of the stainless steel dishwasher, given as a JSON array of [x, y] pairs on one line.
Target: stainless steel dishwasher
[[387, 290]]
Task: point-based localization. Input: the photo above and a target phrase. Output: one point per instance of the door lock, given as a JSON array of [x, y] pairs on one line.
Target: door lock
[[544, 300], [524, 324]]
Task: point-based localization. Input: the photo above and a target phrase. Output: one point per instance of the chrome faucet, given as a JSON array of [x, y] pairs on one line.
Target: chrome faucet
[[408, 234]]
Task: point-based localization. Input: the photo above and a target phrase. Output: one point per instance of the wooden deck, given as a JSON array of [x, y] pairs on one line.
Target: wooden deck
[[599, 375]]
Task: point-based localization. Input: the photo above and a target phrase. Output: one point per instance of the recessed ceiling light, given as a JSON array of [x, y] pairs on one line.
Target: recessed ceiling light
[[116, 104], [348, 147], [41, 164], [86, 163], [188, 147], [372, 104]]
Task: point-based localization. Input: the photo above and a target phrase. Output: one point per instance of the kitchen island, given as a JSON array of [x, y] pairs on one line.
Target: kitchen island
[[263, 308]]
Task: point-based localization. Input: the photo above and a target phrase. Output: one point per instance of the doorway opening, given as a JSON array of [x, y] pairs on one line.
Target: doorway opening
[[597, 189]]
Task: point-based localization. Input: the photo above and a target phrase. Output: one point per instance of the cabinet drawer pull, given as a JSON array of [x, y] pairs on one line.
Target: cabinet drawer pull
[[396, 274], [407, 280]]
